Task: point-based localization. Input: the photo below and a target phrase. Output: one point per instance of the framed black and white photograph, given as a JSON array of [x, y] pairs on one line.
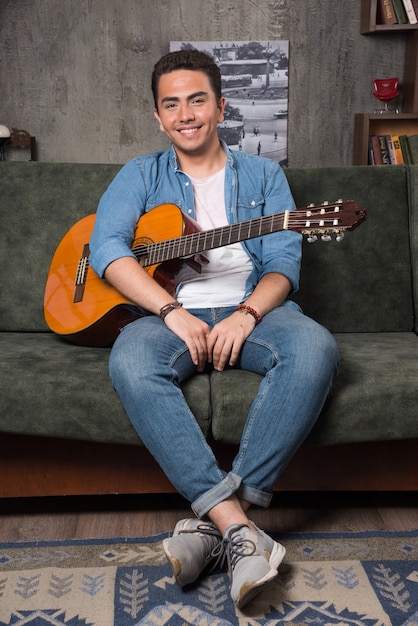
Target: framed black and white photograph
[[255, 84]]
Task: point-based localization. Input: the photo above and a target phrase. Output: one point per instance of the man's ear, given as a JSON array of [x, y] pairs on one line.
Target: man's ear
[[221, 107], [157, 117]]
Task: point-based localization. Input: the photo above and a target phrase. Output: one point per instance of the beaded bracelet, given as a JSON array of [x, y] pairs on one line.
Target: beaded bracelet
[[249, 311], [167, 308]]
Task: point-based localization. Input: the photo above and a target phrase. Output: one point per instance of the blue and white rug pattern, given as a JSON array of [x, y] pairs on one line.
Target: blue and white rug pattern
[[327, 578]]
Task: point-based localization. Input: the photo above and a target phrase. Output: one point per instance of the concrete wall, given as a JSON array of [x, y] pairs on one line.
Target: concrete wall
[[76, 73]]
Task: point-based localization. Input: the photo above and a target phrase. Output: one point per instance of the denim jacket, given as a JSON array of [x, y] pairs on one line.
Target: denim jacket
[[254, 186]]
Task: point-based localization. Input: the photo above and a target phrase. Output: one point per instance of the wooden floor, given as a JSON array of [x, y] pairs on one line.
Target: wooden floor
[[135, 516]]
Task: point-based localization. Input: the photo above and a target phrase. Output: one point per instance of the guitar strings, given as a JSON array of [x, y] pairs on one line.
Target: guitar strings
[[199, 241]]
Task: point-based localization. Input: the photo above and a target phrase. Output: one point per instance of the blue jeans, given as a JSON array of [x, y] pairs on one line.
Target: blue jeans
[[297, 358]]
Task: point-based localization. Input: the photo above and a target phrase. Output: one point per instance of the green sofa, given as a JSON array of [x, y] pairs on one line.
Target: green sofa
[[62, 427]]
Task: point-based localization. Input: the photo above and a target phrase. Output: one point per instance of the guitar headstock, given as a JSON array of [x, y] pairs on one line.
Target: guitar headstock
[[326, 219]]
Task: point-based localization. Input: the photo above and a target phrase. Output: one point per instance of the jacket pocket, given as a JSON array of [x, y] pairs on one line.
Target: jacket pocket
[[251, 203]]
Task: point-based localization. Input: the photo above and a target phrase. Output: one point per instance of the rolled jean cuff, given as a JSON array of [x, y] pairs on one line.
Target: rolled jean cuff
[[254, 496], [222, 491]]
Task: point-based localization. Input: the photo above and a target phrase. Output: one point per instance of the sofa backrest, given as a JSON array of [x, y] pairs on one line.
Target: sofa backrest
[[39, 202], [365, 282], [361, 284]]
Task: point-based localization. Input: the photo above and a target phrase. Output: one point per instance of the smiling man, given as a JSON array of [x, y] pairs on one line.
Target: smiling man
[[235, 313]]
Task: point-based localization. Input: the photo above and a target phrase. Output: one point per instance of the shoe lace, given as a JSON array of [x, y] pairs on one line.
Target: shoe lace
[[206, 530], [229, 550], [236, 547]]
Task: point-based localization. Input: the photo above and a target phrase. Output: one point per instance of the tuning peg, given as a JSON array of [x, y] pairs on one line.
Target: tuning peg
[[326, 237], [312, 239], [340, 236]]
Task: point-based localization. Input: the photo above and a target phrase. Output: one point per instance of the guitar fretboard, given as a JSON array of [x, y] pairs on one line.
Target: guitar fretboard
[[188, 245]]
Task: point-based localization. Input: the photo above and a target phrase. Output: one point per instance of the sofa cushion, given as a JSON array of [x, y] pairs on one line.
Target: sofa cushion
[[51, 388], [374, 396]]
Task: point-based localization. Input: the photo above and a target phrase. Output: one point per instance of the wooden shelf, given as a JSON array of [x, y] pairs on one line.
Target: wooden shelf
[[366, 124], [405, 123], [409, 84], [368, 23]]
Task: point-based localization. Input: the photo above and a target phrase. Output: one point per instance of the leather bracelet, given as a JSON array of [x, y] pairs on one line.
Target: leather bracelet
[[250, 311], [167, 308]]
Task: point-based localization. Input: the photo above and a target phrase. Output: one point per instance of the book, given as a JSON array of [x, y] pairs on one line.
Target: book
[[397, 149], [385, 12], [415, 5], [377, 154], [413, 148], [410, 11], [403, 140], [370, 160], [400, 12], [391, 149], [384, 150]]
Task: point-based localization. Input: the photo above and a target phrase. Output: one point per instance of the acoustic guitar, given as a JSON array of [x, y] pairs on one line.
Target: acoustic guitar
[[87, 311]]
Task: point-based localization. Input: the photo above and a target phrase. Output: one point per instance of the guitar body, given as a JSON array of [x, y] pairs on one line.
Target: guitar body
[[84, 308]]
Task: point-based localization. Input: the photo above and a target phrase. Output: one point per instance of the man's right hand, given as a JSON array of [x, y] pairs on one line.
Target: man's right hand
[[194, 333]]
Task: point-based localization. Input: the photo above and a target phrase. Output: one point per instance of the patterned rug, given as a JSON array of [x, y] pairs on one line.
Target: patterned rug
[[327, 578]]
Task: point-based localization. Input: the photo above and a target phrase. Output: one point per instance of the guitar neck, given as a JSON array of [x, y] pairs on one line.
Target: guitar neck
[[191, 244]]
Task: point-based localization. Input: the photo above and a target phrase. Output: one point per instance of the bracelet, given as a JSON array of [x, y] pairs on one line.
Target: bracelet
[[167, 308], [249, 311]]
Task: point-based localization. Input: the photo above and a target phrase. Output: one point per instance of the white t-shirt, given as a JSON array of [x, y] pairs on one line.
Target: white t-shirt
[[222, 281]]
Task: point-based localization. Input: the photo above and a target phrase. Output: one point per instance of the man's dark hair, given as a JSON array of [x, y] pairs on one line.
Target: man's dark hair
[[186, 60]]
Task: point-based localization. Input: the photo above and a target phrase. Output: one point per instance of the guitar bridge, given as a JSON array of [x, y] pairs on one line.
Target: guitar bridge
[[81, 275]]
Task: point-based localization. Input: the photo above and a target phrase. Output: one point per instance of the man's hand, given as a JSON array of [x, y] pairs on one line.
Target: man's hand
[[194, 333], [220, 346], [226, 339]]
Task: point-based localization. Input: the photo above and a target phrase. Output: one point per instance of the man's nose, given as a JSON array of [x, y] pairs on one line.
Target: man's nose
[[186, 112]]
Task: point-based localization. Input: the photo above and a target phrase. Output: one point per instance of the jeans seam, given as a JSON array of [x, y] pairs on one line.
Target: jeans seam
[[250, 424], [251, 418]]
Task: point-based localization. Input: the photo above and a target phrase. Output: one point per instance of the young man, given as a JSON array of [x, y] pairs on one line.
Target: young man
[[235, 313]]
